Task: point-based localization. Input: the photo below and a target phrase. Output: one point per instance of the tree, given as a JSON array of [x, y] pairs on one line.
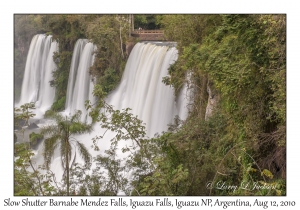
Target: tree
[[61, 136], [27, 178], [109, 33]]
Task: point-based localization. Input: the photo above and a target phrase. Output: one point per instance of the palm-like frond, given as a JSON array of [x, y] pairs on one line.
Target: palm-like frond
[[76, 116], [79, 128], [84, 153], [54, 115], [50, 144], [74, 159], [49, 130]]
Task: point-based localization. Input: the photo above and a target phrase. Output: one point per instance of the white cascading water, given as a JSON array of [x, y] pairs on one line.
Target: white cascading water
[[80, 84], [73, 70], [140, 89], [47, 93], [38, 72]]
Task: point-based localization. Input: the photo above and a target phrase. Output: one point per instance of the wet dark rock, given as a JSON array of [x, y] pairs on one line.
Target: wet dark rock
[[33, 126]]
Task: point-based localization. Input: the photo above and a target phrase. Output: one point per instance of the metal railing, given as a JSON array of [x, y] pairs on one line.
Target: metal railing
[[142, 31]]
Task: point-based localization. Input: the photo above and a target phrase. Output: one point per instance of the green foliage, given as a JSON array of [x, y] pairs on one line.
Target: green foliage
[[59, 105], [65, 28], [34, 137], [109, 80], [188, 29], [28, 180], [96, 183], [243, 56], [176, 78], [238, 57], [110, 34], [147, 22], [60, 75], [24, 113], [140, 20]]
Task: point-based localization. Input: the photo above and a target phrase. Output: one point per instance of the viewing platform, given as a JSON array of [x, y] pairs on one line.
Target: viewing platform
[[148, 35]]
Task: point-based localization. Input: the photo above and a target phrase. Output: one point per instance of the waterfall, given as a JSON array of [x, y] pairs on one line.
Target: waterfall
[[47, 93], [73, 70], [80, 84], [142, 90], [38, 73]]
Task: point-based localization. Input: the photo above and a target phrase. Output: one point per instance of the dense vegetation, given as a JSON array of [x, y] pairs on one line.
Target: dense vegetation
[[243, 56], [239, 59]]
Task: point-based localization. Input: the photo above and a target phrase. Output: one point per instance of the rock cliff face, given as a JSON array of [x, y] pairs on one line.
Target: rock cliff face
[[129, 47], [213, 99]]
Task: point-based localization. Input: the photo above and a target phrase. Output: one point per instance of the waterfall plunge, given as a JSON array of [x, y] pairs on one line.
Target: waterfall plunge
[[38, 73], [80, 84], [140, 89]]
